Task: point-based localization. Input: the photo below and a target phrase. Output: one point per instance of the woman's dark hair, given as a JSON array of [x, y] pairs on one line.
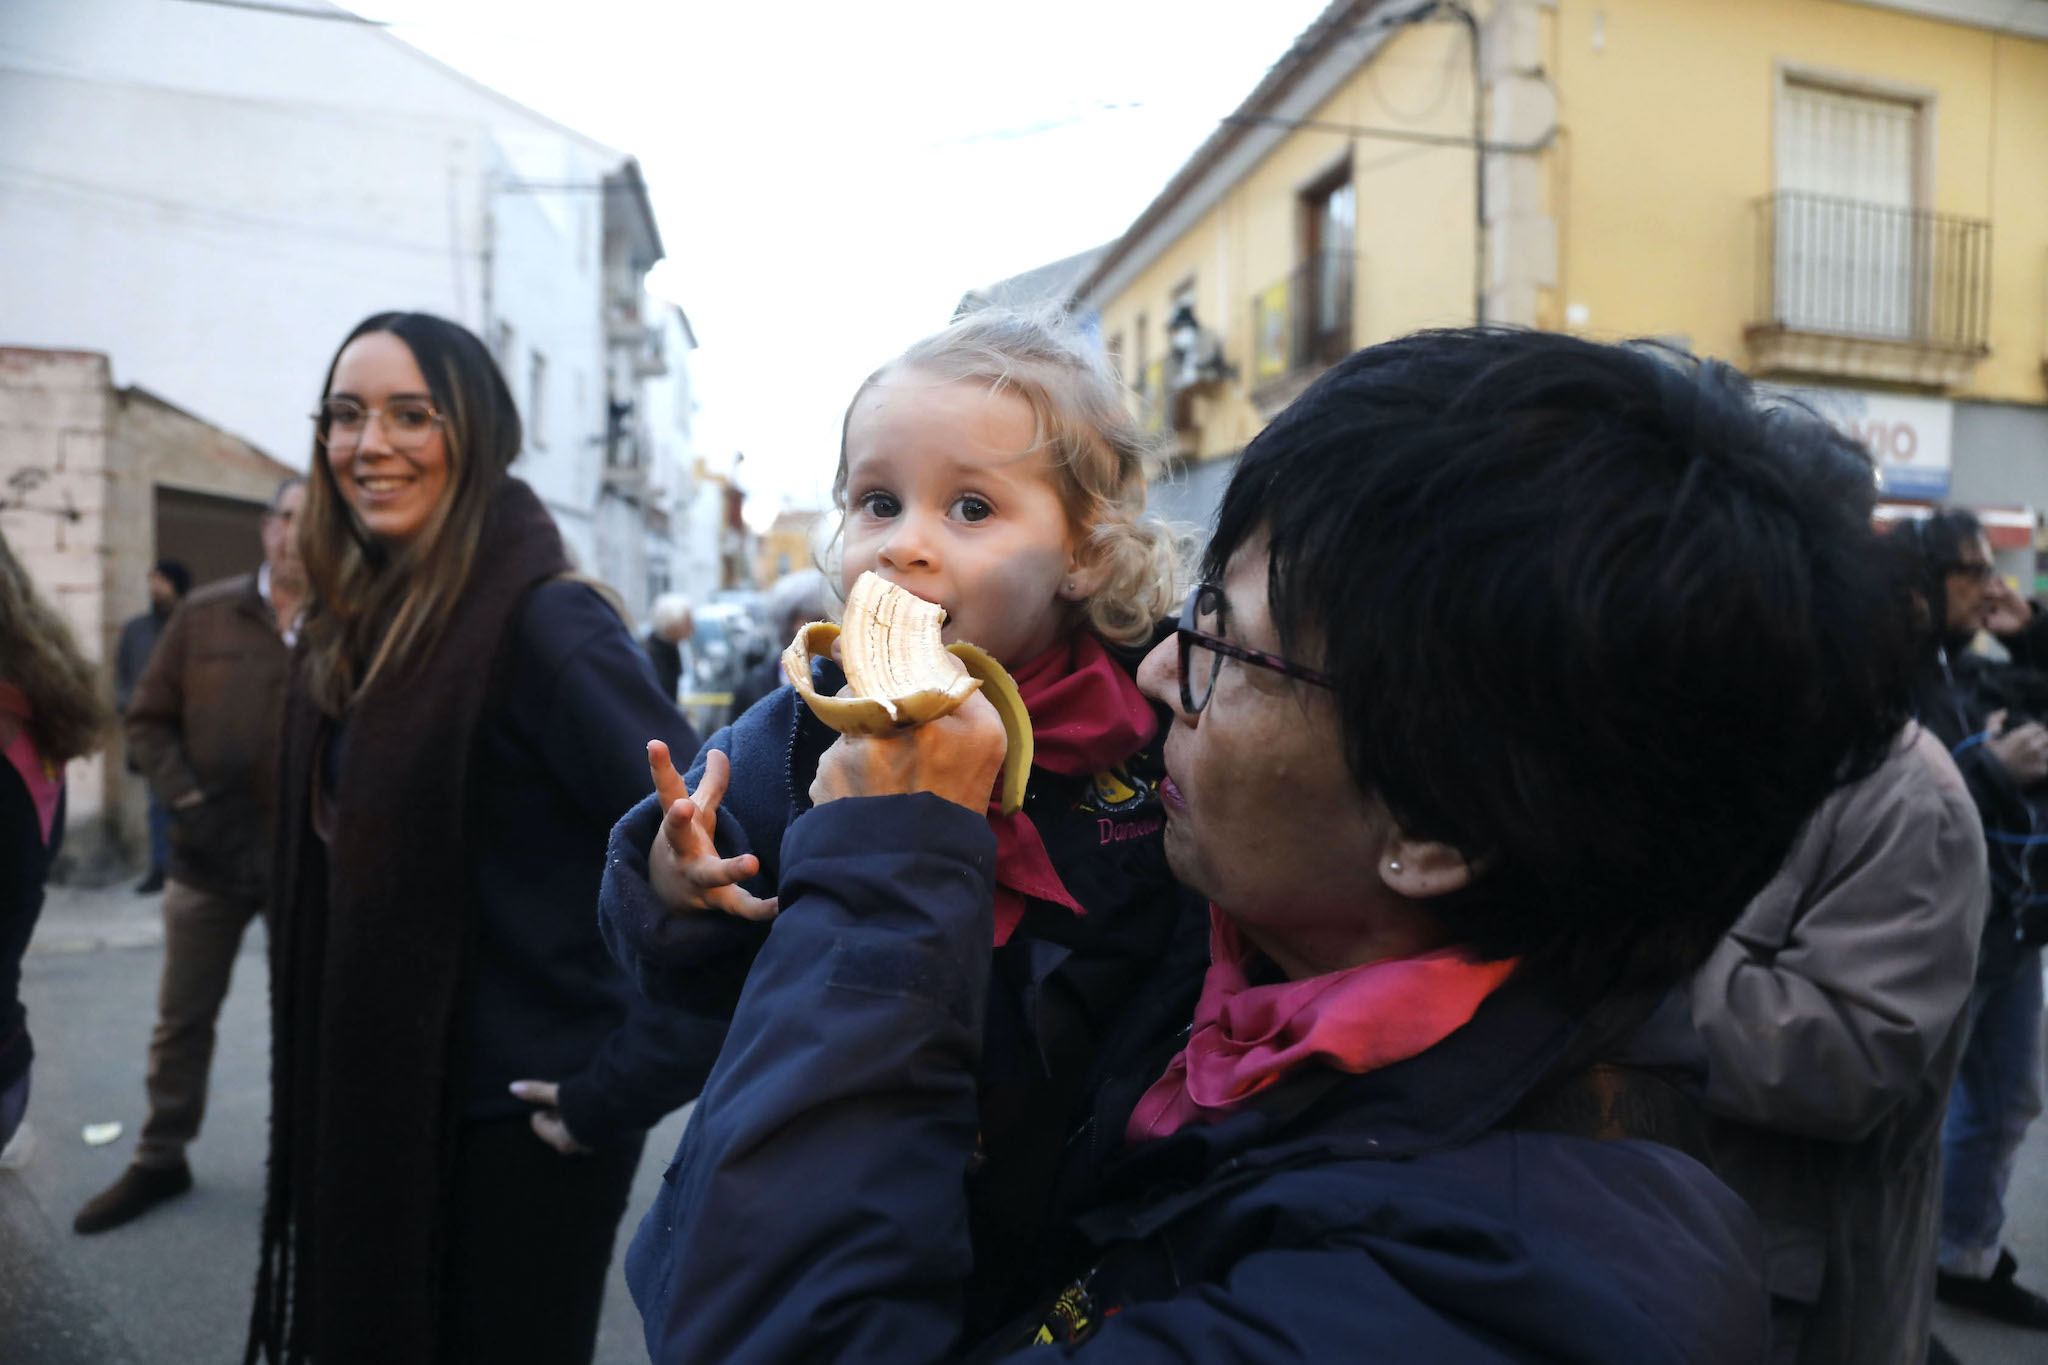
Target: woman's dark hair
[[1596, 618], [374, 607], [1926, 550]]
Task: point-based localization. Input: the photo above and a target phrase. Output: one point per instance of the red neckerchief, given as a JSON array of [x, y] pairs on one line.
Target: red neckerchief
[[1087, 716], [1246, 1037]]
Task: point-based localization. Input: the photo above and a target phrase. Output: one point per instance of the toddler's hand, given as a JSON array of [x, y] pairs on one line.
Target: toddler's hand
[[684, 866]]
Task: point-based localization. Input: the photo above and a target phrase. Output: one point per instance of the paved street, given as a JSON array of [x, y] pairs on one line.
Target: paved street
[[177, 1283], [175, 1286]]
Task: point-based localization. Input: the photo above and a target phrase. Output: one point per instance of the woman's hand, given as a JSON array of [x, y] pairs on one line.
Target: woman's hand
[[683, 866], [2005, 611], [957, 756], [2023, 750], [547, 1120]]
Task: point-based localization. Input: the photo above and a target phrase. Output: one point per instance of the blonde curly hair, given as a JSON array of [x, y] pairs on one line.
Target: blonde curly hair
[[1097, 451]]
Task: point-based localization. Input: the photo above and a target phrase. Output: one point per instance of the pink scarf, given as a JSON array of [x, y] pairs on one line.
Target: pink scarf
[[45, 780], [1086, 716], [1247, 1037]]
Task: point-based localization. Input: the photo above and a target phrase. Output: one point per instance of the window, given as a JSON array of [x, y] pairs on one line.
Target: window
[[1849, 245], [503, 349], [1143, 355], [1322, 292], [536, 400], [1115, 351]]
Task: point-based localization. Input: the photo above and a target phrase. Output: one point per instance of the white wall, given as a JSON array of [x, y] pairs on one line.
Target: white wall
[[214, 196]]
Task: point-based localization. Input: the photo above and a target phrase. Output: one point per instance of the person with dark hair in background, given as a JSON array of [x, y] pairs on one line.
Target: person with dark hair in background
[[1517, 665], [50, 713], [461, 1078], [1998, 1088], [203, 726], [168, 582]]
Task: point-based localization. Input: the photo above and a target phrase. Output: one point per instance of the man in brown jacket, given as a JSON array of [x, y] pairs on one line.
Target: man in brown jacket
[[203, 725]]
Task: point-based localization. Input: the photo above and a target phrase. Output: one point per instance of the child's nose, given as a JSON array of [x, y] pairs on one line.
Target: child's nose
[[909, 545]]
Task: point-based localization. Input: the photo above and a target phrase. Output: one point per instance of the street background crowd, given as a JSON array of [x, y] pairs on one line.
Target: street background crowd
[[1504, 747]]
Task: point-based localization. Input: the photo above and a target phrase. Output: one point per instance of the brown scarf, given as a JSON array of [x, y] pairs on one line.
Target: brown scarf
[[371, 940]]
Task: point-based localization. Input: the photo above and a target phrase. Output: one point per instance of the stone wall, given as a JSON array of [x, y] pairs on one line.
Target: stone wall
[[80, 463], [55, 408]]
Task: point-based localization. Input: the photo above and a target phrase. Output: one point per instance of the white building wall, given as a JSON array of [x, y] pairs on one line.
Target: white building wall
[[214, 196]]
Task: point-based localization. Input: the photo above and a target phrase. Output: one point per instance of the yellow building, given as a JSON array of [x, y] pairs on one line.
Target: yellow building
[[1849, 197]]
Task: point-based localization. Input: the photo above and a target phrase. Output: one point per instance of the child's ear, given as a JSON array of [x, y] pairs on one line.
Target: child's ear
[[1086, 570]]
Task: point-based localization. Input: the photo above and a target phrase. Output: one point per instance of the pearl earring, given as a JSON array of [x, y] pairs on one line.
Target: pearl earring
[[1393, 865]]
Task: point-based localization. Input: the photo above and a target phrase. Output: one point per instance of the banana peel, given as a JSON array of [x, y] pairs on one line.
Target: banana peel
[[900, 674]]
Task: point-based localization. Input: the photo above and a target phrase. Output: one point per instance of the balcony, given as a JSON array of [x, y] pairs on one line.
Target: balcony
[[1867, 291], [1301, 326]]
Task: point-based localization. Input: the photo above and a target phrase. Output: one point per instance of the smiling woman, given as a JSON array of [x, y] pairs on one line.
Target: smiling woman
[[465, 724]]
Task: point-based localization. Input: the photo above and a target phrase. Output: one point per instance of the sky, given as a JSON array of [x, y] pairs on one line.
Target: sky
[[830, 178]]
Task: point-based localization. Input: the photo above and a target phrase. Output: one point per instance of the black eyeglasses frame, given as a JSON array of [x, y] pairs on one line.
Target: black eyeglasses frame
[[1189, 638]]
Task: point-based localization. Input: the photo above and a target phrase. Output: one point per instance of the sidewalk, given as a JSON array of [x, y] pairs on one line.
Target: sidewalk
[[82, 919], [175, 1286]]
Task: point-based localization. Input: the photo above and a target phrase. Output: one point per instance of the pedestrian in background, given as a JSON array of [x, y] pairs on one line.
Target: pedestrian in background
[[50, 713], [462, 1080], [795, 599], [1831, 1015], [168, 582], [203, 725], [669, 627], [1998, 1088]]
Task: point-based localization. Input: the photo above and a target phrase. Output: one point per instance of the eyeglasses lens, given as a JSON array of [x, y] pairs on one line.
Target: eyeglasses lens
[[1200, 664]]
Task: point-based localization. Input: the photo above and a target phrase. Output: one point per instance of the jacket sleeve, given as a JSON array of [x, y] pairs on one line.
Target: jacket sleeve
[[1821, 1009], [837, 1128], [593, 709], [155, 723]]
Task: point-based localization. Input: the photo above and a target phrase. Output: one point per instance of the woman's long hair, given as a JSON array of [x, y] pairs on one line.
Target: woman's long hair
[[39, 655], [375, 607]]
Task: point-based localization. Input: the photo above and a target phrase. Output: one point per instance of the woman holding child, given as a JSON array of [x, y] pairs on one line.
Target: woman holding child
[[1516, 665]]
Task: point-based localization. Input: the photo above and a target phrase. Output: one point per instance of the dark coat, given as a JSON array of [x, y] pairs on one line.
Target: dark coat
[[1061, 979], [1427, 1211], [139, 635], [24, 866], [205, 717], [434, 939]]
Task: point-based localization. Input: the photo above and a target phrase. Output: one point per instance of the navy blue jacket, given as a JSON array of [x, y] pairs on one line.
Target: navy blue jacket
[[561, 750], [1061, 979], [1415, 1213]]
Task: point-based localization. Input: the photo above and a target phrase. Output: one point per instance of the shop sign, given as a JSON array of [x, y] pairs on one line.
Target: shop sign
[[1908, 437]]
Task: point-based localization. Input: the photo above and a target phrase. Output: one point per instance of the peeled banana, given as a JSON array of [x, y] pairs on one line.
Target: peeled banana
[[901, 674]]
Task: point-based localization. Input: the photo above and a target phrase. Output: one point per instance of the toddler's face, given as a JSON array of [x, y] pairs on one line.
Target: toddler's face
[[946, 498]]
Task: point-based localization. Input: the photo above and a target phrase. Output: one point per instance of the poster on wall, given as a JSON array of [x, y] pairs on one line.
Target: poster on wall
[[1909, 437]]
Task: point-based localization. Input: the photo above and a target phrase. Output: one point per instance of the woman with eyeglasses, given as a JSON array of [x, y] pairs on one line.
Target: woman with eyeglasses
[[461, 1080], [1518, 663]]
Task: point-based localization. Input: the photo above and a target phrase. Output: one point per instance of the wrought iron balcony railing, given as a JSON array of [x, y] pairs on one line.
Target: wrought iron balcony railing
[[1869, 272]]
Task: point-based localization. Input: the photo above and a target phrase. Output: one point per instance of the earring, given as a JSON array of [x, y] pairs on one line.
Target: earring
[[1393, 864]]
